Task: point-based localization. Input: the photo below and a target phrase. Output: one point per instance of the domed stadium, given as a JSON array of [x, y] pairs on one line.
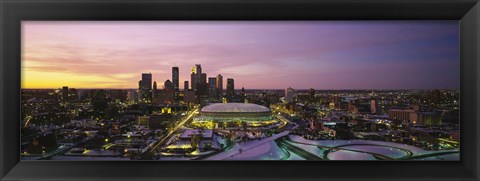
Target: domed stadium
[[227, 112]]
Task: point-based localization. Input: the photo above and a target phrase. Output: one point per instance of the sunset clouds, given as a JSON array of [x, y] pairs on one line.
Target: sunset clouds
[[317, 54]]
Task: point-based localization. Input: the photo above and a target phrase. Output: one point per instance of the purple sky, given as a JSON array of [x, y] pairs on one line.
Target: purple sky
[[258, 55]]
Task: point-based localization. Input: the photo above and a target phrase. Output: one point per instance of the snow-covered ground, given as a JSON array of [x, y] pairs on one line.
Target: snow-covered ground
[[266, 151], [389, 149], [220, 140], [309, 148], [349, 155], [294, 156], [246, 146], [334, 143]]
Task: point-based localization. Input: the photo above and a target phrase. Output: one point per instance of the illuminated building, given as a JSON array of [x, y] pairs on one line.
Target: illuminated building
[[198, 69], [426, 119], [252, 114], [166, 110], [414, 116], [198, 78], [193, 79], [400, 114], [175, 81]]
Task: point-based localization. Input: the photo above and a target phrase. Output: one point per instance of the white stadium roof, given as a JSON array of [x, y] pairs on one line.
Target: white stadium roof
[[234, 108]]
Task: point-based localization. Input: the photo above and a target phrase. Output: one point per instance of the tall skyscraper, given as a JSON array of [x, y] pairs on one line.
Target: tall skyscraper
[[198, 69], [175, 81], [289, 94], [212, 87], [202, 86], [185, 85], [219, 85], [193, 78], [154, 92], [147, 81], [230, 88], [199, 81], [145, 86]]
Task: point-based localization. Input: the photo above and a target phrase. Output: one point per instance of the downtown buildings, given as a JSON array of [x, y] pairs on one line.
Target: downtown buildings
[[198, 89], [175, 81], [145, 87]]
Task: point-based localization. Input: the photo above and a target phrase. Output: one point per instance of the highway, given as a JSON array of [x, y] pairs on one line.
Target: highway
[[408, 155], [286, 121], [300, 152], [171, 132]]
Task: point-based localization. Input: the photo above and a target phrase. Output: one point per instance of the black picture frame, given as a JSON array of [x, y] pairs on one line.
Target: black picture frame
[[12, 12]]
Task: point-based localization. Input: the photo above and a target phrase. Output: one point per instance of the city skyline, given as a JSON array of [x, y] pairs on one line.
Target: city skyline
[[257, 55]]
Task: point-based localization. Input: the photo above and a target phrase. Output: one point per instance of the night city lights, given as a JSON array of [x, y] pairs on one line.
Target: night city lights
[[213, 90]]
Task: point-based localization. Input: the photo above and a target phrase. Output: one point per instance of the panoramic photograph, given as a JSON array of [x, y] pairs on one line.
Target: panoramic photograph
[[240, 90]]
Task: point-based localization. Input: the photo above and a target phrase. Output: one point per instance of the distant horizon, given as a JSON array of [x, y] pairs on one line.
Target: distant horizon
[[237, 89], [324, 55]]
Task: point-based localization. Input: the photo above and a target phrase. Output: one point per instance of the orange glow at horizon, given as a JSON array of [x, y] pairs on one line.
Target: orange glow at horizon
[[46, 80], [257, 55]]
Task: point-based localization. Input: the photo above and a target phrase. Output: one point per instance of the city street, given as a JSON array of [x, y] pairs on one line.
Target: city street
[[172, 131]]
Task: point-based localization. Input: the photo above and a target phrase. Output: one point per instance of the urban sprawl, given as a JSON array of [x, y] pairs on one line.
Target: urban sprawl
[[205, 121]]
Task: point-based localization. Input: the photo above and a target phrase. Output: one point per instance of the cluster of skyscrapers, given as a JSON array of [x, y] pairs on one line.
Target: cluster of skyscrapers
[[198, 87]]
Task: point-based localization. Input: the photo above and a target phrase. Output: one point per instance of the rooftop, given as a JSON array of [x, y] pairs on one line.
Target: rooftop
[[235, 107], [190, 132]]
